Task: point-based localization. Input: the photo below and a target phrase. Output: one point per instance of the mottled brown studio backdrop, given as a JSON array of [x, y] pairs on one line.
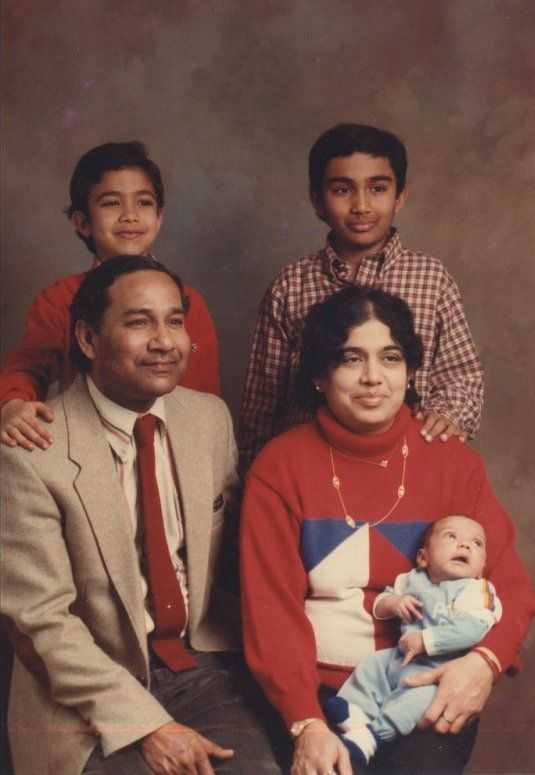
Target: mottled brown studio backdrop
[[229, 96]]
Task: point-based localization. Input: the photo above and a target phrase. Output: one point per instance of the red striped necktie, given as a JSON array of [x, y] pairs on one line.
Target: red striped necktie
[[168, 609]]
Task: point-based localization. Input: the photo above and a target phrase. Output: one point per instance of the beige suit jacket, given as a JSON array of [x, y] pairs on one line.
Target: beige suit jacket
[[69, 582]]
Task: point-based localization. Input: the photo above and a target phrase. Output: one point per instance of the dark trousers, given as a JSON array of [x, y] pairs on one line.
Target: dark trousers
[[219, 700], [424, 753]]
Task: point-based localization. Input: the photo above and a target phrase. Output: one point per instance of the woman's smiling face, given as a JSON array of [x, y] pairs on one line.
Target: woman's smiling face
[[367, 389]]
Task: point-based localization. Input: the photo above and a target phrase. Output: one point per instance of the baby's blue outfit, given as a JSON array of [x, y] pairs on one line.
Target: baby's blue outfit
[[456, 616]]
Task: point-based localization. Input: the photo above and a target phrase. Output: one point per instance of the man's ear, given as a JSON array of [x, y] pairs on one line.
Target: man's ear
[[81, 223], [86, 338], [401, 199], [421, 558], [317, 203]]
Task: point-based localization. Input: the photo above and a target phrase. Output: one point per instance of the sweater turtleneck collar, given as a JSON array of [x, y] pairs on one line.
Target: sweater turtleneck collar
[[362, 445]]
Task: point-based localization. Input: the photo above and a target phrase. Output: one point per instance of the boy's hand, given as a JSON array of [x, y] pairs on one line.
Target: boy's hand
[[438, 425], [20, 424], [411, 644]]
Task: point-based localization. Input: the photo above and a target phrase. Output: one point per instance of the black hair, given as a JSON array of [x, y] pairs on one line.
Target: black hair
[[327, 327], [91, 299], [96, 162], [346, 139]]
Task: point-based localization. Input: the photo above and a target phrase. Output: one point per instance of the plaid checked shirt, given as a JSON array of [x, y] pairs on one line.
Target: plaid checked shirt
[[449, 382]]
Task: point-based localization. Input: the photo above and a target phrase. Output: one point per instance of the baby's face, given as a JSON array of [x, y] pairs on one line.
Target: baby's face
[[456, 549]]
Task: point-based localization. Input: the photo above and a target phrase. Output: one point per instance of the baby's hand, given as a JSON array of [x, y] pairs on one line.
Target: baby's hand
[[411, 644], [20, 424], [436, 424], [407, 608]]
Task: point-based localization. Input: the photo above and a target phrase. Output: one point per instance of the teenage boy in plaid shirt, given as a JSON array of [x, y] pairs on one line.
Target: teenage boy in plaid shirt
[[357, 185]]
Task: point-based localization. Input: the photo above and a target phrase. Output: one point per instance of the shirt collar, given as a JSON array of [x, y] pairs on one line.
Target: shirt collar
[[339, 270], [119, 421]]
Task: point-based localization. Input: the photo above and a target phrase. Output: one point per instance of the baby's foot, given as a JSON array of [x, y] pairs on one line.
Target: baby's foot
[[361, 744], [344, 714]]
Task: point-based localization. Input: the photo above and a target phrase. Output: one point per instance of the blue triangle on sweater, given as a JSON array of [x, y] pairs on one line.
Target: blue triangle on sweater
[[320, 536], [405, 536]]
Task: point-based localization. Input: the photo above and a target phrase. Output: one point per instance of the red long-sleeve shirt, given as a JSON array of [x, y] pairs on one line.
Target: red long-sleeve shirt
[[42, 356]]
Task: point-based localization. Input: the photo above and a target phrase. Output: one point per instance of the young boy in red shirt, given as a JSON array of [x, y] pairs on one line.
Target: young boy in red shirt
[[357, 185], [116, 208]]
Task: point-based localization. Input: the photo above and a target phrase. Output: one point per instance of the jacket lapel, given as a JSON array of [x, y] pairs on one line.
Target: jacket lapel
[[195, 481], [103, 501]]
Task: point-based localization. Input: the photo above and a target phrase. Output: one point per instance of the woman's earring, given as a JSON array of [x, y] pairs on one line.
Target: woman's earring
[[317, 388]]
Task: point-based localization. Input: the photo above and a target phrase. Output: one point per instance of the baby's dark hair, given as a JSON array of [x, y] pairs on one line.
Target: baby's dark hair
[[346, 139], [110, 156], [327, 327]]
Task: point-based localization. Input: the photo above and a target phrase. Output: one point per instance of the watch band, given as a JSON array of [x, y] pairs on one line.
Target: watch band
[[299, 726]]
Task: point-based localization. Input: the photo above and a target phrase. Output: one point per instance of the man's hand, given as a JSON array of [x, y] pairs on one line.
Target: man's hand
[[20, 424], [405, 607], [411, 644], [438, 425], [319, 751], [178, 750], [464, 685]]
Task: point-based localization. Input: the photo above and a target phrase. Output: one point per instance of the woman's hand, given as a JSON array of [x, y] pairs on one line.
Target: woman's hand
[[318, 751], [464, 685]]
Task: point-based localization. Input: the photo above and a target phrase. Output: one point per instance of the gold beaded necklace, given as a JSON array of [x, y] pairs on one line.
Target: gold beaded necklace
[[383, 464]]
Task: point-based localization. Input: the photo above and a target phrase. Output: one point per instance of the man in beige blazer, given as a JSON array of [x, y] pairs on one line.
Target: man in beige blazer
[[87, 694]]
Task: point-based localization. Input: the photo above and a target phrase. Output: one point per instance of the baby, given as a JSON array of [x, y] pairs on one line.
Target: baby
[[445, 607]]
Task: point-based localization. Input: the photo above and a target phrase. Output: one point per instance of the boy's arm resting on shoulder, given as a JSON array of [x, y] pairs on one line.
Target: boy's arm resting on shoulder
[[456, 380], [37, 360], [266, 380], [38, 597], [20, 424]]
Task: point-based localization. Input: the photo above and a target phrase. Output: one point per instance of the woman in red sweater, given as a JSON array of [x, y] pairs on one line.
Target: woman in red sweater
[[334, 509]]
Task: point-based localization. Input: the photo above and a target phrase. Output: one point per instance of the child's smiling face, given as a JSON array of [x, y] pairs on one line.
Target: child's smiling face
[[123, 214], [455, 549], [359, 201]]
